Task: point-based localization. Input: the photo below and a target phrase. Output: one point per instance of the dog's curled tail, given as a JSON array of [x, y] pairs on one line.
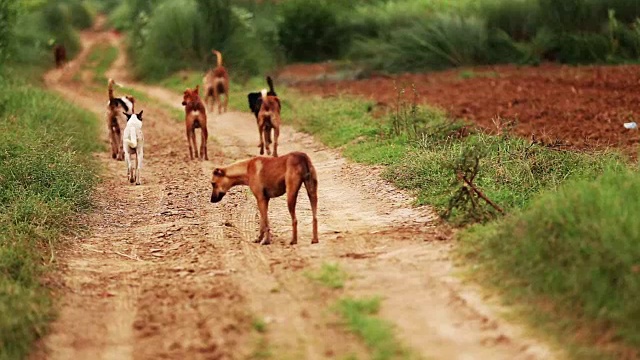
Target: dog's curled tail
[[132, 140], [264, 94], [111, 83], [218, 57], [270, 82]]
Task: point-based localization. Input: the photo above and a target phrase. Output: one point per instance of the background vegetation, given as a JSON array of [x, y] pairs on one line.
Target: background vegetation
[[388, 35]]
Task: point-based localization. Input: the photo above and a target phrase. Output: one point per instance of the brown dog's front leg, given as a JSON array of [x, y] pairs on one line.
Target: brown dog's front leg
[[263, 206]]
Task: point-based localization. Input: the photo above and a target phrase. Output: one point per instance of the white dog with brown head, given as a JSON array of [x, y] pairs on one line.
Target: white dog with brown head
[[133, 144]]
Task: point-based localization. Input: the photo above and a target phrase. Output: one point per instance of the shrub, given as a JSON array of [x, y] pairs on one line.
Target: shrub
[[310, 30], [7, 19], [437, 43], [181, 34], [79, 14], [517, 18]]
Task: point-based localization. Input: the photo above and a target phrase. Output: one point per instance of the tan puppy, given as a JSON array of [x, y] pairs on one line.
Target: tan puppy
[[195, 118], [269, 118], [270, 177], [216, 83]]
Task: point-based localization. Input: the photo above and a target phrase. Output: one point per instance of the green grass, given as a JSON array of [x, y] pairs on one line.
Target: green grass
[[259, 325], [360, 318], [576, 248], [329, 275], [46, 178]]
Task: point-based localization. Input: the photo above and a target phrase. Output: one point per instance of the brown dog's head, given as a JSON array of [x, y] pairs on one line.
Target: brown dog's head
[[220, 184], [190, 95]]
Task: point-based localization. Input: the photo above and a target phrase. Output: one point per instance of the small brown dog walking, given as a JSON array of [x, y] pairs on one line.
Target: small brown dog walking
[[268, 119], [268, 178], [195, 118], [60, 55], [216, 83], [115, 108]]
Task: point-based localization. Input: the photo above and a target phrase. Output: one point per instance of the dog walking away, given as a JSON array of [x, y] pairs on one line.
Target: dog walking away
[[271, 177], [195, 118], [116, 107], [133, 144], [255, 98], [60, 55], [268, 119], [216, 83]]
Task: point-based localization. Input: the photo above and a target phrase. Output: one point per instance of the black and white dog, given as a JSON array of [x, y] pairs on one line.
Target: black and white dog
[[255, 98]]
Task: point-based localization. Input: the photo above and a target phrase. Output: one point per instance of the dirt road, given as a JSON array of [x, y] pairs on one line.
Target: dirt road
[[166, 274]]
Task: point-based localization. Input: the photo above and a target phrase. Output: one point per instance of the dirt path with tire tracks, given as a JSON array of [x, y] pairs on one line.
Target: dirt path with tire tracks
[[166, 274]]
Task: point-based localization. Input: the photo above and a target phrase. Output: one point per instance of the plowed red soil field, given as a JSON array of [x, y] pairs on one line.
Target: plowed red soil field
[[584, 107]]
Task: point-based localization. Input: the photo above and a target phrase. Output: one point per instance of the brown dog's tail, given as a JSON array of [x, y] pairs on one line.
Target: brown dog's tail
[[270, 82], [309, 177], [111, 83], [218, 57]]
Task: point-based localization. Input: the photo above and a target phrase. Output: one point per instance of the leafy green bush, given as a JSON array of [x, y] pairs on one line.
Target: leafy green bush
[[8, 13], [40, 27], [437, 43], [517, 18], [79, 14], [577, 247], [181, 34], [311, 30]]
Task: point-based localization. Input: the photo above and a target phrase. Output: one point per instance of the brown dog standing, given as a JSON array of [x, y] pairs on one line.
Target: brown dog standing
[[195, 117], [269, 118], [115, 108], [270, 177], [216, 83]]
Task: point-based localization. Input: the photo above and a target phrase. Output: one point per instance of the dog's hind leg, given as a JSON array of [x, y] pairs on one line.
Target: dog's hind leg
[[264, 238], [193, 146], [204, 135], [114, 143], [130, 170], [139, 157], [293, 186], [266, 139], [261, 145], [276, 134], [311, 184]]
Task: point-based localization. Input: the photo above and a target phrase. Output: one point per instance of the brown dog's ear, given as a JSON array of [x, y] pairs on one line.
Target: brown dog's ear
[[218, 172], [197, 89]]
